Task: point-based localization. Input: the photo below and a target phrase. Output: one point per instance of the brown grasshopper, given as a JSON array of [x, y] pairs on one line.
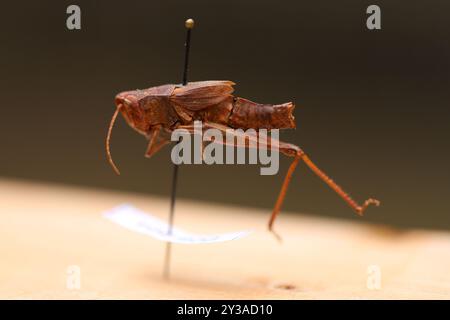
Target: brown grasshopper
[[157, 111]]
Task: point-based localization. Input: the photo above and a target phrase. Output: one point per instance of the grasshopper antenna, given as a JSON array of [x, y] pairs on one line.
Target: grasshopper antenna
[[108, 139], [189, 25]]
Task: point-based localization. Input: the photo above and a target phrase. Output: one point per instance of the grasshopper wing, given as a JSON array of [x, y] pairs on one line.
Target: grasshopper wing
[[196, 96]]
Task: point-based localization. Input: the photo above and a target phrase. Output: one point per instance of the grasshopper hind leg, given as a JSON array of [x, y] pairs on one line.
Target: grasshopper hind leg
[[295, 152], [298, 154]]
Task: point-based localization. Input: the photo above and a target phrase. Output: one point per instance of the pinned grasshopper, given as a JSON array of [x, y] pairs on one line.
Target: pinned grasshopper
[[158, 111]]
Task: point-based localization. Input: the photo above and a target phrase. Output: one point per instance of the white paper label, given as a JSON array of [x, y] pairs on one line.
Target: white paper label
[[136, 220]]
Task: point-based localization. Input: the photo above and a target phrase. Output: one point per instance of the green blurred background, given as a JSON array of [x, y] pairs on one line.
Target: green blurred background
[[372, 106]]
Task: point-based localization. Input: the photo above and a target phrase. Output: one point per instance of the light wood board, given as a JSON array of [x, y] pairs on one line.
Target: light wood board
[[45, 229]]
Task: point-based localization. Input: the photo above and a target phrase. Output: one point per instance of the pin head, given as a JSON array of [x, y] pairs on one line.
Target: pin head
[[189, 23]]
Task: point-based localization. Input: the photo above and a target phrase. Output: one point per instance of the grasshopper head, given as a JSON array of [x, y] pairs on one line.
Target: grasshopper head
[[128, 104], [142, 109]]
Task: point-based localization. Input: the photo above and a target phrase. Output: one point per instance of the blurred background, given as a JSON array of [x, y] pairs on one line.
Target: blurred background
[[372, 106]]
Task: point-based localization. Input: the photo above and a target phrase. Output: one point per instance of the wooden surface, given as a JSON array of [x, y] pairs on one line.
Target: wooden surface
[[45, 229]]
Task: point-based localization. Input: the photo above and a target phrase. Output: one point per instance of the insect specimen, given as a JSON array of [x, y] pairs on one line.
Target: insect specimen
[[158, 111]]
